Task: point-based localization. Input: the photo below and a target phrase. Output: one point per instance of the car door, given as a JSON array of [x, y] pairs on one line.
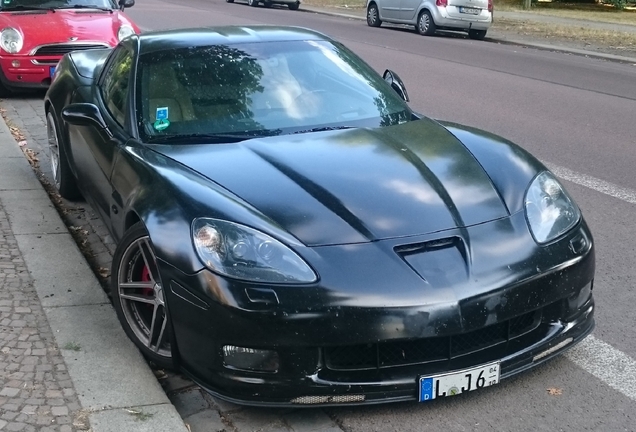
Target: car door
[[95, 150], [389, 9], [409, 8]]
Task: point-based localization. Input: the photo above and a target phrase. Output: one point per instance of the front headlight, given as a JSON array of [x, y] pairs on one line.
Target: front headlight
[[11, 40], [549, 209], [242, 252], [124, 32]]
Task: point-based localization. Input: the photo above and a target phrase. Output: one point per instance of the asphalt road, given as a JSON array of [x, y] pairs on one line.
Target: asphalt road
[[579, 115]]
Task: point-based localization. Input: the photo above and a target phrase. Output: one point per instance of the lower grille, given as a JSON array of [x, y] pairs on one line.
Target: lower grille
[[61, 49], [402, 353]]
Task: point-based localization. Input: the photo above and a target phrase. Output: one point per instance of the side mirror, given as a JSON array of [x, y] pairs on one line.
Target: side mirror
[[123, 4], [396, 84], [84, 114]]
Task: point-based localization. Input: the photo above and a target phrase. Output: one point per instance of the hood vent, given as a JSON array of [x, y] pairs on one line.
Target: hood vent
[[442, 263]]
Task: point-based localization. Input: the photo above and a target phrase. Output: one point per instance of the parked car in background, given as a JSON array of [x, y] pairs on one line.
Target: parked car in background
[[290, 232], [428, 16], [291, 4], [36, 33]]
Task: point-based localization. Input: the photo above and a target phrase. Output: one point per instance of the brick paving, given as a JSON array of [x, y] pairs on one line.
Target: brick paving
[[36, 393]]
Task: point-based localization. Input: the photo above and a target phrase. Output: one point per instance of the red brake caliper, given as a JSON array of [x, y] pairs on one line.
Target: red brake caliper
[[145, 277]]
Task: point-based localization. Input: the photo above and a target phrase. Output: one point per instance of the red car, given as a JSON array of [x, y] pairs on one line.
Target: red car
[[35, 34]]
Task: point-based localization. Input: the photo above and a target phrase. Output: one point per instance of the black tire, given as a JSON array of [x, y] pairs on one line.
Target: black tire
[[293, 6], [138, 297], [63, 179], [253, 3], [477, 34], [4, 92], [230, 1], [373, 16], [425, 24]]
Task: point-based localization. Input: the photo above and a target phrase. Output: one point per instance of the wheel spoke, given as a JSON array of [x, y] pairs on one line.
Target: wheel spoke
[[137, 285], [157, 317], [149, 258], [138, 298]]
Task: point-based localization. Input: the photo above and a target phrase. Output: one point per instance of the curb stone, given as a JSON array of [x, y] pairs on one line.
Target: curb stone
[[109, 375]]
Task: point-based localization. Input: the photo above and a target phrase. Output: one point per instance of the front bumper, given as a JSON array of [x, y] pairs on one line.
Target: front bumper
[[28, 73], [335, 349]]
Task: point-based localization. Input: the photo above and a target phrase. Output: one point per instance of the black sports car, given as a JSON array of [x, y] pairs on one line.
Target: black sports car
[[290, 232]]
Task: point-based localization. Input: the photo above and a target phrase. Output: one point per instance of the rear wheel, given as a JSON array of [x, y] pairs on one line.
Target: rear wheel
[[293, 6], [252, 3], [425, 24], [230, 1], [63, 178], [477, 34], [138, 296], [373, 16]]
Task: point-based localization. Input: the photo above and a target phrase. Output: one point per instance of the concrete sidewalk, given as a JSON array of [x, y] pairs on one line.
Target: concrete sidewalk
[[65, 362], [360, 14]]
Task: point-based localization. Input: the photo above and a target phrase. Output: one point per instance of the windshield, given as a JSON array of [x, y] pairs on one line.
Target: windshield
[[260, 89], [57, 4]]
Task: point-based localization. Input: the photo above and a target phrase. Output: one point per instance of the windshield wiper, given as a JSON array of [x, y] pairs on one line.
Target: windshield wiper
[[87, 7], [23, 7], [214, 138], [323, 129]]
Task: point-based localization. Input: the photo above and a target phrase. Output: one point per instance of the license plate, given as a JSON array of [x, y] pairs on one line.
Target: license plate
[[472, 11], [52, 70], [454, 383]]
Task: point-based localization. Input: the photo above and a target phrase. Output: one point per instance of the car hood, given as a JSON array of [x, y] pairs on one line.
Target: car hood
[[59, 26], [356, 185]]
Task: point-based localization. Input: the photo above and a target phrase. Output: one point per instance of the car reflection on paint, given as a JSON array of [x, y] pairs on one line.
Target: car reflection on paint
[[290, 232]]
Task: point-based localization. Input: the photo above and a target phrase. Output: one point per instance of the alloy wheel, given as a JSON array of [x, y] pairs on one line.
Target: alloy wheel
[[54, 150], [142, 297]]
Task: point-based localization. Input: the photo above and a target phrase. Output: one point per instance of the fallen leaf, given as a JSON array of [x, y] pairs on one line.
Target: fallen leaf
[[160, 374], [553, 391], [103, 272]]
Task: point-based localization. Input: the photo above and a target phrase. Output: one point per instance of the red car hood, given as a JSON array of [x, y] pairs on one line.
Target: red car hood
[[63, 26]]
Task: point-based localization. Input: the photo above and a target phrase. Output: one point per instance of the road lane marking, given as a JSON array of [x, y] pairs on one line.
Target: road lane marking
[[607, 188], [613, 367]]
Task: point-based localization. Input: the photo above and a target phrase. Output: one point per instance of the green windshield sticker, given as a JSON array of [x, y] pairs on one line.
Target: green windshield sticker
[[161, 124]]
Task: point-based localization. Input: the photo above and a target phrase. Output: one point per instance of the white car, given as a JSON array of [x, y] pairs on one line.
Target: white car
[[291, 4], [473, 16]]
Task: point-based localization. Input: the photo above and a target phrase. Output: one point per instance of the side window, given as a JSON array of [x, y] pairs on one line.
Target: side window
[[115, 84]]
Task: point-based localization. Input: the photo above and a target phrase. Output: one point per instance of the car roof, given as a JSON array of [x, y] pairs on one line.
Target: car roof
[[183, 38]]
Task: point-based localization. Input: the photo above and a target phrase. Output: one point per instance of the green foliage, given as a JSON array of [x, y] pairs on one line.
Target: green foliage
[[618, 4], [72, 346]]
